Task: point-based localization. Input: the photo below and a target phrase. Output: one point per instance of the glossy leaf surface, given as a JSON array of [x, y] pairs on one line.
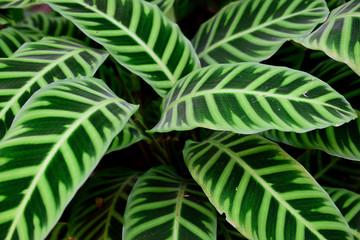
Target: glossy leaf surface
[[98, 209], [43, 166], [252, 97], [37, 64], [339, 36], [253, 30], [163, 205], [263, 192], [138, 35]]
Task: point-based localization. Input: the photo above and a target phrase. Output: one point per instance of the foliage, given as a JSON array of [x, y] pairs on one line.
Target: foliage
[[159, 119]]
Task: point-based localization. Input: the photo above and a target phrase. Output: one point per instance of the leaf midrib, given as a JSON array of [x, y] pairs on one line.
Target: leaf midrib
[[178, 209], [46, 162], [135, 37], [247, 92], [265, 184], [250, 30]]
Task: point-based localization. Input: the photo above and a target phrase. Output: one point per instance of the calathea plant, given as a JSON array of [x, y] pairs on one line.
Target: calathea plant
[[114, 125]]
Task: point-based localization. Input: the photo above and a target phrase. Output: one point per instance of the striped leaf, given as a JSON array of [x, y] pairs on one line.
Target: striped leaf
[[331, 171], [338, 37], [53, 145], [349, 204], [58, 231], [37, 64], [253, 30], [264, 192], [11, 39], [339, 76], [343, 141], [227, 232], [16, 3], [252, 97], [164, 5], [130, 135], [138, 35], [98, 209], [163, 205]]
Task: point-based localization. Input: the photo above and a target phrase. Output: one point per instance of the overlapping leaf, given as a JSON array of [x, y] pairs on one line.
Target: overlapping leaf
[[37, 64], [253, 30], [130, 134], [163, 205], [138, 35], [343, 141], [252, 97], [339, 36], [349, 204], [339, 76], [11, 39], [331, 171], [164, 5], [227, 232], [264, 192], [98, 209], [53, 145]]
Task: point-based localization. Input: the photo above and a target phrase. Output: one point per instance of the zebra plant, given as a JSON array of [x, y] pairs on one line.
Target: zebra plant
[[114, 125]]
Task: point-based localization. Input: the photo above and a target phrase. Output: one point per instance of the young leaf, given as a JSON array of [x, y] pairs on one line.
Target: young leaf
[[339, 36], [37, 64], [53, 145], [250, 98], [163, 205], [343, 141], [264, 192], [138, 35], [349, 205], [253, 30], [98, 209]]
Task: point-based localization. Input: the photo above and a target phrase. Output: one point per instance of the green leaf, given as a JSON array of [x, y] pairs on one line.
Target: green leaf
[[349, 205], [98, 209], [58, 231], [53, 145], [17, 3], [252, 97], [264, 192], [130, 135], [343, 141], [37, 64], [253, 30], [338, 37], [164, 5], [138, 35], [331, 171], [227, 232], [12, 38], [339, 76], [163, 205]]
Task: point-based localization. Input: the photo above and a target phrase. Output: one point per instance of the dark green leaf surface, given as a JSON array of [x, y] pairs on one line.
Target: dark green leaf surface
[[252, 97], [263, 192], [163, 205], [98, 209], [339, 36], [130, 135], [343, 141], [164, 5], [138, 35], [349, 205], [53, 145], [253, 30], [37, 64]]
